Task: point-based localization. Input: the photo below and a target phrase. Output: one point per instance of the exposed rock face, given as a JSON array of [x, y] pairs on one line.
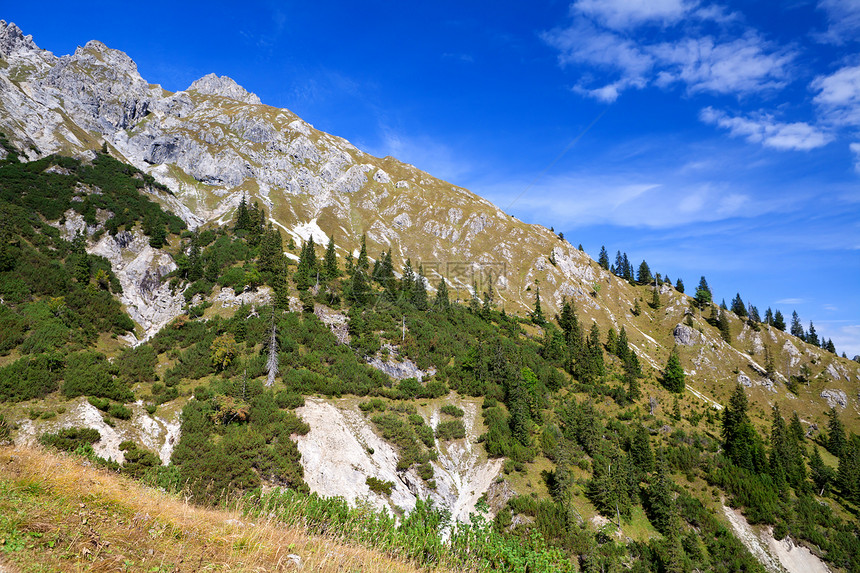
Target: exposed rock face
[[13, 40], [341, 451], [686, 335], [223, 86], [139, 268], [835, 398], [398, 368]]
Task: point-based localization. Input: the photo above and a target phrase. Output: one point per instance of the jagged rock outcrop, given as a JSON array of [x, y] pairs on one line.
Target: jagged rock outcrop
[[835, 398], [686, 335]]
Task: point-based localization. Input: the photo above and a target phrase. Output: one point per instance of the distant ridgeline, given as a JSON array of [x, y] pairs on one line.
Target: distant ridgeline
[[569, 408]]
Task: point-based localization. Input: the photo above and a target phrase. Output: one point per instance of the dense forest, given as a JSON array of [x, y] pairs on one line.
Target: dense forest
[[556, 392]]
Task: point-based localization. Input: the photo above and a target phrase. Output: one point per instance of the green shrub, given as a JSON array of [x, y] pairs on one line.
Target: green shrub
[[379, 486], [453, 410], [120, 411], [451, 430], [89, 373], [70, 439]]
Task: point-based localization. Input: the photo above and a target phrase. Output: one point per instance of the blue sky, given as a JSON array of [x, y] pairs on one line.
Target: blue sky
[[708, 138]]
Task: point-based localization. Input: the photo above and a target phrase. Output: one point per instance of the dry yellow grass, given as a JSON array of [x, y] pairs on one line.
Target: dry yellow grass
[[57, 514]]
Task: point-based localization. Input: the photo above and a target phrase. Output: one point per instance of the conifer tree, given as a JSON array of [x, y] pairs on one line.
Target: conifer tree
[[673, 374], [307, 269], [643, 276], [821, 474], [835, 433], [848, 473], [796, 327], [679, 286], [661, 502], [441, 302], [768, 317], [738, 306], [753, 314], [723, 325], [611, 341], [740, 440], [487, 308], [703, 297], [778, 321], [628, 270], [271, 259], [812, 336], [419, 295], [655, 299], [537, 315], [603, 259], [243, 221], [618, 268], [640, 450], [407, 281], [330, 268]]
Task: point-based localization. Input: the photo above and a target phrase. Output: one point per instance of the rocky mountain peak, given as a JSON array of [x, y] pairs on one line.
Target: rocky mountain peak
[[13, 40], [223, 86]]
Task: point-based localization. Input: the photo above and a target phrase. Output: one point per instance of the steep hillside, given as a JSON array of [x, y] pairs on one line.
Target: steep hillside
[[477, 362], [215, 143]]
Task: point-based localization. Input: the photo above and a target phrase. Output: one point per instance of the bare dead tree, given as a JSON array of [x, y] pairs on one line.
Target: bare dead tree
[[272, 364]]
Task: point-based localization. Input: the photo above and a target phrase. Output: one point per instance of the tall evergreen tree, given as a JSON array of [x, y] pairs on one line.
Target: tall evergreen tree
[[768, 317], [407, 281], [661, 500], [537, 315], [822, 475], [628, 269], [307, 269], [848, 473], [640, 450], [738, 306], [441, 302], [673, 374], [778, 321], [835, 433], [679, 286], [655, 299], [812, 336], [703, 297], [271, 258], [330, 269], [724, 326], [644, 276], [619, 268], [603, 259], [796, 327], [419, 294], [753, 314], [243, 220], [740, 440]]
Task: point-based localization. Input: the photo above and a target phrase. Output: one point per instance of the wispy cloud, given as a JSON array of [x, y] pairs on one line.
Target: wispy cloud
[[621, 14], [843, 18], [602, 35], [838, 96], [790, 301], [763, 128], [855, 149]]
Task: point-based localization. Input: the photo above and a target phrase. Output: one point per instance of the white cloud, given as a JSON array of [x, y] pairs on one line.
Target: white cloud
[[764, 129], [583, 43], [620, 14], [739, 66], [855, 149], [844, 20], [839, 96]]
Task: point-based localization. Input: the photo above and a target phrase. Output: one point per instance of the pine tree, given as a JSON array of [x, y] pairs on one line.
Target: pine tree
[[661, 501], [618, 267], [703, 297], [778, 321], [723, 325], [655, 299], [488, 306], [848, 473], [640, 450], [740, 440], [738, 306], [835, 433], [768, 317], [679, 286], [537, 315], [419, 295], [271, 259], [611, 341], [307, 269], [753, 314], [603, 259], [243, 221], [812, 336], [330, 268], [474, 301], [643, 276], [821, 474], [362, 262], [441, 302], [796, 327], [673, 374], [628, 269]]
